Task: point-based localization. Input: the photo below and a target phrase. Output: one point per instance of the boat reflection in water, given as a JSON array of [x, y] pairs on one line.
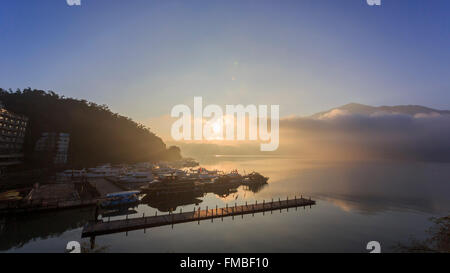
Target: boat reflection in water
[[170, 201], [169, 194]]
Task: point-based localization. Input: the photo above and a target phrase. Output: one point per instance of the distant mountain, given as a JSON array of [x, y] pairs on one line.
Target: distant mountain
[[356, 108]]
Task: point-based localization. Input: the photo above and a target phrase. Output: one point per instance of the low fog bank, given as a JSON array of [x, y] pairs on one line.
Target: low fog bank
[[339, 135]]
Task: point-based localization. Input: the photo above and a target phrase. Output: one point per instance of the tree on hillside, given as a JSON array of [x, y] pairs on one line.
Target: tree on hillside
[[97, 135]]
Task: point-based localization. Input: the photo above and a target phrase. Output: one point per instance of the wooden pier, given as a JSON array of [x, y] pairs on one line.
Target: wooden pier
[[101, 227]]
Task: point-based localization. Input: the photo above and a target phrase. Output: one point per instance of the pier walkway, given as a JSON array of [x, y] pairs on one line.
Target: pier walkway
[[101, 227]]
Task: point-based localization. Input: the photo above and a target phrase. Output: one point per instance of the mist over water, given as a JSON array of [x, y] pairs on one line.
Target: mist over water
[[357, 202], [365, 186]]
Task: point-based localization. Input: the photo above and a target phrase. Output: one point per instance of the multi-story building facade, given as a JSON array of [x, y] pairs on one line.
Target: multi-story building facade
[[55, 147], [12, 134]]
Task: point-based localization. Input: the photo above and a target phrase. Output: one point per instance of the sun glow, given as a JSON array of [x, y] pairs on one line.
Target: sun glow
[[217, 127]]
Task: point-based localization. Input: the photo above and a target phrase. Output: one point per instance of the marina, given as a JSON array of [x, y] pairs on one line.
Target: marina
[[108, 185]]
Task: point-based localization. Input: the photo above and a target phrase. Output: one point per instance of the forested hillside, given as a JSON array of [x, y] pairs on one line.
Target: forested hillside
[[97, 134]]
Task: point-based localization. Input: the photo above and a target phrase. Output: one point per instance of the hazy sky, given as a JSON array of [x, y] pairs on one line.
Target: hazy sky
[[142, 57]]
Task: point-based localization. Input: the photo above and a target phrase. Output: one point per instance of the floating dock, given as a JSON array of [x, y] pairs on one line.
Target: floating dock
[[63, 195], [101, 227]]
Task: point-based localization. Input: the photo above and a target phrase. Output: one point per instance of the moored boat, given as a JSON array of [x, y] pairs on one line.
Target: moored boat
[[120, 198], [136, 177]]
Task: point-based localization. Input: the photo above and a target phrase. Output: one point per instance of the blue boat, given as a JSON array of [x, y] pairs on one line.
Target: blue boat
[[120, 198]]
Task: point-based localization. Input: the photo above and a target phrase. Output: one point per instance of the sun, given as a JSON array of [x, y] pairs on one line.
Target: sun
[[216, 127]]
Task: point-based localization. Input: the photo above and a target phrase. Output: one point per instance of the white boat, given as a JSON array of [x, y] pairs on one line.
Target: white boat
[[231, 177], [163, 170], [204, 174], [136, 177], [179, 173]]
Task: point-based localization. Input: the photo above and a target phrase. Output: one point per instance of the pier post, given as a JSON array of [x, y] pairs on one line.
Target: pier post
[[287, 203], [199, 215], [92, 241], [143, 215], [217, 209], [156, 213], [222, 214], [206, 211], [181, 210], [245, 203], [96, 213]]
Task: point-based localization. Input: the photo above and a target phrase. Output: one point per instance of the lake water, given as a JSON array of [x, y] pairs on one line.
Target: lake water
[[357, 202]]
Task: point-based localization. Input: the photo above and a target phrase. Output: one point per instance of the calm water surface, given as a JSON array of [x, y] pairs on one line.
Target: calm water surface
[[357, 202]]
